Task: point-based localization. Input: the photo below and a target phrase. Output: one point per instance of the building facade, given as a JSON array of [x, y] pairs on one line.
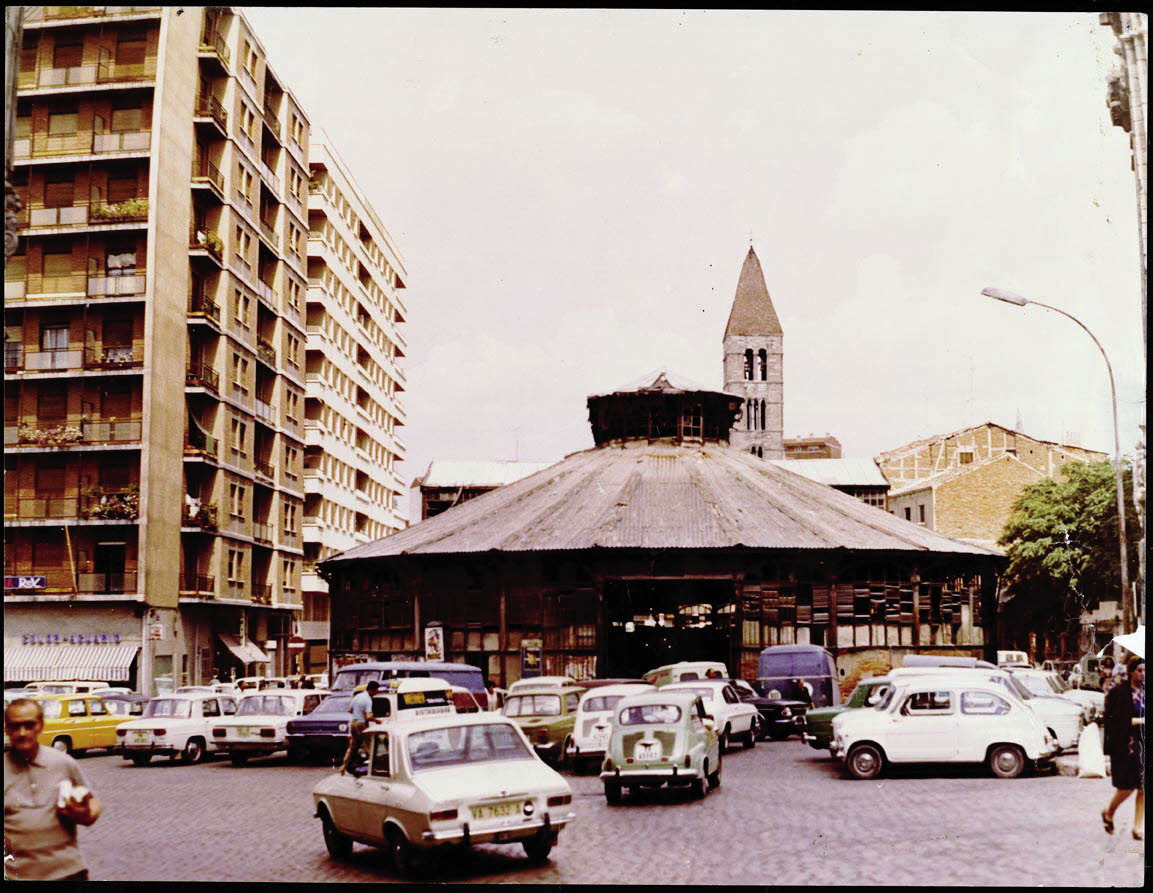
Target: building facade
[[354, 378], [754, 364], [155, 349], [812, 447]]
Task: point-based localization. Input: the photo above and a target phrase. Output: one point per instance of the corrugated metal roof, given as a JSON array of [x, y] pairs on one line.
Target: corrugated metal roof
[[448, 473], [660, 495], [836, 472]]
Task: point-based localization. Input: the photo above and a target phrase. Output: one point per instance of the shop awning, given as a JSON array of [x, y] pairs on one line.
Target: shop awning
[[45, 663], [245, 651]]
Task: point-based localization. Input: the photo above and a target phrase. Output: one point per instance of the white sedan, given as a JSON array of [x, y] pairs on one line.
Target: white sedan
[[732, 716], [176, 724], [449, 779], [260, 726]]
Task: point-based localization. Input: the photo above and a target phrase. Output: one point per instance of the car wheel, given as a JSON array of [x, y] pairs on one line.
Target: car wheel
[[238, 758], [750, 739], [715, 777], [141, 759], [568, 760], [400, 851], [193, 751], [538, 847], [698, 787], [723, 741], [62, 744], [779, 734], [339, 846], [865, 761], [1006, 761], [613, 793], [297, 753]]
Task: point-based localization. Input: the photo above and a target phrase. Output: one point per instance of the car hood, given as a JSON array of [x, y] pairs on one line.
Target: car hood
[[529, 722], [775, 702], [495, 779], [1054, 706], [826, 713]]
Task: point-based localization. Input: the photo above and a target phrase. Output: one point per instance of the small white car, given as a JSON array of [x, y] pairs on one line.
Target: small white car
[[686, 671], [173, 725], [260, 725], [447, 779], [522, 685], [1045, 683], [594, 722], [733, 717], [942, 719]]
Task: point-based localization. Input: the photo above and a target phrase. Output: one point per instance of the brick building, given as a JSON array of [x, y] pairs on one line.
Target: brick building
[[823, 446]]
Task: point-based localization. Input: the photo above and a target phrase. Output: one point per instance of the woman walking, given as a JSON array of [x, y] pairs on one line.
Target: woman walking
[[1125, 745]]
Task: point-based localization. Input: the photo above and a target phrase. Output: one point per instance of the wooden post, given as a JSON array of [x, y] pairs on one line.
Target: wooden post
[[502, 643], [915, 581], [72, 560]]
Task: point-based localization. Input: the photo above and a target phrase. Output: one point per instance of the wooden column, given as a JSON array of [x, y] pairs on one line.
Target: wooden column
[[502, 636]]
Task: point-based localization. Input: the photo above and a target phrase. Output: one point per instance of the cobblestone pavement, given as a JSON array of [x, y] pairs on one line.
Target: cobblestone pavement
[[785, 814]]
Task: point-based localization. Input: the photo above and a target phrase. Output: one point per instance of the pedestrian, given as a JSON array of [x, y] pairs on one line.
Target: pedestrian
[[361, 710], [45, 798], [804, 690], [1125, 744]]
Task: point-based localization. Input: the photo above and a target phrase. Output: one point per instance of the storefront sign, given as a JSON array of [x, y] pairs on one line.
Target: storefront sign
[[530, 658], [70, 639], [156, 631], [434, 643], [25, 582]]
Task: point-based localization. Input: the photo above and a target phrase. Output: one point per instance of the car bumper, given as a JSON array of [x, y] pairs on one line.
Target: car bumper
[[467, 836], [651, 774], [551, 749], [248, 746], [127, 750], [320, 742], [820, 742]]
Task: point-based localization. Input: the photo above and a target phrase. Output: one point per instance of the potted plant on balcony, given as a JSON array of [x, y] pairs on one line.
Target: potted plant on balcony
[[58, 435], [202, 516], [122, 505], [129, 209]]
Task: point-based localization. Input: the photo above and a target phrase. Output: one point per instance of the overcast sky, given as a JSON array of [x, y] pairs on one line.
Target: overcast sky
[[574, 192]]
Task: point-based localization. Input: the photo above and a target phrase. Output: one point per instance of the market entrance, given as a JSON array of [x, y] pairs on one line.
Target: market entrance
[[650, 623]]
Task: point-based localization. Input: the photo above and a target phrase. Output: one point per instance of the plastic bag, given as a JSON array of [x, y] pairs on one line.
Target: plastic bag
[[1090, 756]]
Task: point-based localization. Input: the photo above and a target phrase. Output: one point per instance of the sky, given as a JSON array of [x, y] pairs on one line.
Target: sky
[[573, 193]]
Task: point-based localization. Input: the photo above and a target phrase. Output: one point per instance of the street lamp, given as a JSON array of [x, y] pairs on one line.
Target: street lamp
[[1009, 297]]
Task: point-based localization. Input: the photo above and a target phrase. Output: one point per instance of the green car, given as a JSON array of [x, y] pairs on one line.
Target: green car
[[819, 723], [547, 717]]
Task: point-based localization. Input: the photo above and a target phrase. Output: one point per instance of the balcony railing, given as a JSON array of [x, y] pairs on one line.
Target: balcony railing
[[111, 431], [266, 351], [201, 305], [72, 215], [213, 42], [52, 13], [105, 72], [121, 285], [200, 375], [127, 356], [201, 445], [198, 583], [261, 532], [265, 293], [201, 516], [43, 508], [106, 583], [13, 357], [211, 107], [207, 239], [264, 469], [262, 593], [75, 431], [51, 360], [269, 234], [114, 505], [289, 538], [263, 411], [272, 122], [206, 170], [86, 142]]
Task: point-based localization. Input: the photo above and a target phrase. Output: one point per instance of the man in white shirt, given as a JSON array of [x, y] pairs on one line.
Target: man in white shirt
[[361, 710]]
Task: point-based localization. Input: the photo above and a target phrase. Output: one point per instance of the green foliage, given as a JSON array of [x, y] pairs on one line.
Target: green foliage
[[1061, 540], [129, 209]]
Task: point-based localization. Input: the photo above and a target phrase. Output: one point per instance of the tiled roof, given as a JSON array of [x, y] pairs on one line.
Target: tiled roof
[[753, 312], [913, 446], [446, 473], [957, 471], [836, 472], [661, 495]]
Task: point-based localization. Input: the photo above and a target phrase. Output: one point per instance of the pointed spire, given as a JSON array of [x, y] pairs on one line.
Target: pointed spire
[[753, 312]]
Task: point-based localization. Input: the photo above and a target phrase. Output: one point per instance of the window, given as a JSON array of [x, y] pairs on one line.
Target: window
[[52, 402], [239, 435], [290, 517], [380, 763], [59, 191], [729, 695], [130, 48], [68, 52], [53, 337], [76, 708], [121, 187], [239, 373], [63, 122], [965, 457], [210, 707], [241, 306], [983, 703], [57, 264], [924, 703], [120, 260], [921, 513], [97, 708], [763, 363], [237, 494], [235, 564], [127, 115], [908, 513]]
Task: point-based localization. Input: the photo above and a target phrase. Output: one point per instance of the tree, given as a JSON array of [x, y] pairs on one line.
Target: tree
[[1061, 541]]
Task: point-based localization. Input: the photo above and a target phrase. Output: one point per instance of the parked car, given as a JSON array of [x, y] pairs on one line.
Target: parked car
[[942, 719], [778, 718], [594, 722], [464, 701], [1013, 659], [785, 669], [598, 683], [546, 717], [447, 779], [72, 687], [12, 694], [1045, 683], [129, 705], [686, 671], [661, 738], [734, 718], [323, 732], [465, 675], [818, 725], [260, 725], [174, 725], [75, 723], [540, 682]]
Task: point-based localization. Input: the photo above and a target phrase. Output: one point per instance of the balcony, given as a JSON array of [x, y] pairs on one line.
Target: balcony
[[13, 357], [262, 593], [212, 43], [44, 145], [270, 178], [130, 210], [268, 233], [94, 505], [272, 123], [200, 517], [266, 294], [55, 13], [198, 584], [78, 431], [265, 470], [290, 538], [113, 505], [106, 583], [202, 238], [203, 446], [112, 357], [263, 411], [52, 360], [111, 431], [205, 173], [201, 375], [262, 532], [265, 352], [210, 108], [106, 71], [202, 307]]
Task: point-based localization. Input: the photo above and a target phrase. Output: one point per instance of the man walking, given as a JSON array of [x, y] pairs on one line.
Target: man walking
[[361, 710], [45, 798]]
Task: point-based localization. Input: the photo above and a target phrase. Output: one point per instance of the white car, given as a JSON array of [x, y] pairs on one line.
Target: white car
[[1063, 719], [732, 716], [522, 685], [942, 719], [447, 779], [260, 726], [172, 725], [1045, 683], [594, 722]]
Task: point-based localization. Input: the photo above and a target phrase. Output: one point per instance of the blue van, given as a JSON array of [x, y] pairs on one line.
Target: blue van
[[462, 675], [782, 666]]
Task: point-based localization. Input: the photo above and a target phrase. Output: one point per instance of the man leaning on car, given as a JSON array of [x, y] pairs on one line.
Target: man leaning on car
[[361, 710]]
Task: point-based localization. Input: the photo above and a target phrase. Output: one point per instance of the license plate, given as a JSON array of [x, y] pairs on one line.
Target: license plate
[[243, 732], [493, 810], [141, 737], [648, 750], [599, 737]]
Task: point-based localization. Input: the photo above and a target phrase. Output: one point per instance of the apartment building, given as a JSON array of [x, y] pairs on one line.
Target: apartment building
[[155, 348], [354, 379]]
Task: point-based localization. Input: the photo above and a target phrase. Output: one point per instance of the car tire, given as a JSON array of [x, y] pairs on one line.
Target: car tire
[[297, 753], [338, 845], [62, 743], [237, 758], [699, 786], [779, 734], [538, 847], [723, 741], [1006, 761], [613, 793], [193, 751], [400, 851], [140, 759], [865, 762], [750, 739], [715, 777]]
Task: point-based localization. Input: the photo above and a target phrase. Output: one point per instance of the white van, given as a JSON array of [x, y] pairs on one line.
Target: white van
[[1013, 659]]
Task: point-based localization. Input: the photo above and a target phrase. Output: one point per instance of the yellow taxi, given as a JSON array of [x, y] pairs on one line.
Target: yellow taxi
[[75, 723]]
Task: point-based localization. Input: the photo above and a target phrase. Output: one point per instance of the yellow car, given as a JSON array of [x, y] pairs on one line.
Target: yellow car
[[75, 723]]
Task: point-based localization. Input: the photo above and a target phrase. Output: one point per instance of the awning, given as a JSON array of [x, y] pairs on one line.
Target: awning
[[245, 651], [47, 663], [1134, 642]]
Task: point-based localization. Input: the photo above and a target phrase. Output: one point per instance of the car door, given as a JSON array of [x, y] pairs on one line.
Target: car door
[[373, 789], [75, 723], [924, 728], [101, 724], [740, 715], [984, 718]]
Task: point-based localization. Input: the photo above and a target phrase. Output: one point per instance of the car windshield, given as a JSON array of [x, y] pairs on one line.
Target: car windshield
[[456, 745], [1036, 684], [650, 714], [334, 704], [1014, 685], [886, 698], [601, 704], [532, 705], [1056, 683], [274, 705], [168, 707], [56, 689], [51, 708], [791, 665]]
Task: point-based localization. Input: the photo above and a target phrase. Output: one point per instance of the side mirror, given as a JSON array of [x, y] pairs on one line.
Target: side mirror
[[710, 724]]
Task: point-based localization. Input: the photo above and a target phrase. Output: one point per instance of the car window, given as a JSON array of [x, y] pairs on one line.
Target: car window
[[532, 705], [874, 694], [175, 708], [96, 708], [571, 701], [923, 703], [688, 676], [650, 714], [437, 748], [335, 704], [275, 705], [701, 712], [76, 708], [380, 764], [705, 694], [51, 709], [210, 707], [311, 702], [983, 703], [600, 704], [228, 705], [730, 695]]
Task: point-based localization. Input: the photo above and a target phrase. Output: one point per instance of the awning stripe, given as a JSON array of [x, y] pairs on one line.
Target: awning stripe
[[245, 651], [48, 663]]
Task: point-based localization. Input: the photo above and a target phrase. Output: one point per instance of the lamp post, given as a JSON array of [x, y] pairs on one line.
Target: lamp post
[[1009, 297]]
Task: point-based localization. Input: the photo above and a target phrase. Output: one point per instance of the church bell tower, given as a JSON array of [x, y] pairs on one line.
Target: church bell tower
[[754, 355]]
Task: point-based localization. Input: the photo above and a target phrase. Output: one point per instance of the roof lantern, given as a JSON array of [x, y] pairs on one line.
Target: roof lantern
[[662, 406]]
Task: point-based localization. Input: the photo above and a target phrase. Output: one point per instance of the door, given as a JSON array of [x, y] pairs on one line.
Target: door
[[108, 560], [983, 716], [924, 728], [76, 724], [102, 724], [373, 788]]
